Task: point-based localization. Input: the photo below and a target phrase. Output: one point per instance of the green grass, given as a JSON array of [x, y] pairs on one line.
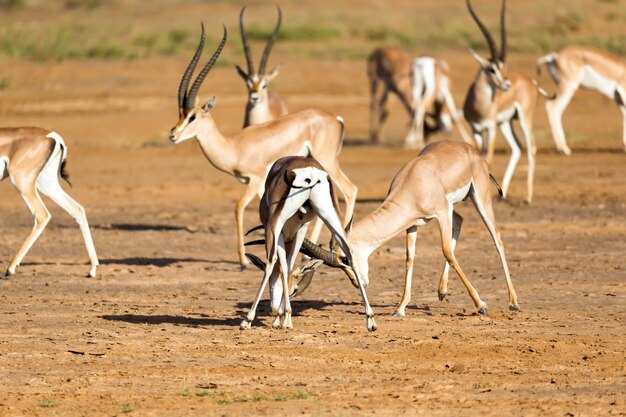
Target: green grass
[[254, 399], [127, 409], [304, 32], [5, 82], [47, 404]]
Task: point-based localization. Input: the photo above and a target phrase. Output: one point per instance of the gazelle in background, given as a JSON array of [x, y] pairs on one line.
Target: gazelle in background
[[579, 66], [34, 158], [249, 154], [496, 98], [431, 95], [296, 190], [263, 104], [444, 174], [389, 71]]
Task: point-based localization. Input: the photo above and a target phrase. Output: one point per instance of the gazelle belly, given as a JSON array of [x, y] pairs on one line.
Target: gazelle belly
[[590, 78], [458, 195]]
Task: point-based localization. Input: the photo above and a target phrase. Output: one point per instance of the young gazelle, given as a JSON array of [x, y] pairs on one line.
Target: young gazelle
[[249, 154], [496, 98], [579, 66], [431, 96], [389, 69], [296, 190], [427, 188], [33, 158], [263, 104]]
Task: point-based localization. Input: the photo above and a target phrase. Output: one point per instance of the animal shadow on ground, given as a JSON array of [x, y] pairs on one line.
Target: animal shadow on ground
[[132, 227], [203, 320], [141, 261]]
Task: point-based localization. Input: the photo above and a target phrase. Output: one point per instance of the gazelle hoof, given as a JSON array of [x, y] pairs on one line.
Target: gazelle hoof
[[9, 273], [371, 324], [245, 325], [276, 323], [514, 308], [92, 272], [483, 311], [442, 296], [243, 266], [398, 313]]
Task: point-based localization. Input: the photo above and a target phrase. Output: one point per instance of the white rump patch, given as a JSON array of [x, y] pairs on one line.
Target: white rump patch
[[458, 195], [59, 140], [423, 77], [307, 177], [590, 78]]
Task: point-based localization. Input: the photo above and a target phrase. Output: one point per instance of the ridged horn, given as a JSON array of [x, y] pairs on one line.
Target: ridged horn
[[502, 56], [270, 43], [244, 41], [492, 45], [190, 100], [184, 82], [331, 259]]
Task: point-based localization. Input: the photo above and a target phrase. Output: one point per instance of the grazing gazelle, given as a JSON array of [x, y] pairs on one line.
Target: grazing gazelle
[[263, 104], [249, 154], [431, 95], [444, 174], [33, 158], [496, 98], [389, 70], [296, 190], [580, 66]]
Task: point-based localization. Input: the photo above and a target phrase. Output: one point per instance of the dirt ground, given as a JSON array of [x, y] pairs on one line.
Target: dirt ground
[[157, 332]]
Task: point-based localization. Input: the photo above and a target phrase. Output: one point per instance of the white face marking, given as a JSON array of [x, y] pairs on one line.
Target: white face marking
[[591, 79], [458, 195]]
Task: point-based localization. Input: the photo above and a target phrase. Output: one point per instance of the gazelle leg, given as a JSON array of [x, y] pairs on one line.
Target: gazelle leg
[[348, 189], [240, 207], [482, 202], [478, 140], [555, 109], [491, 143], [269, 268], [411, 239], [620, 98], [531, 152], [316, 230], [445, 227], [516, 151], [374, 111], [30, 195], [277, 307], [383, 113], [456, 118], [457, 222], [284, 274], [415, 137], [48, 184]]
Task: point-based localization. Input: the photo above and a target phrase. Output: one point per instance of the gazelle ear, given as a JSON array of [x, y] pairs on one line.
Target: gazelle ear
[[289, 177], [482, 61], [241, 73], [348, 228], [209, 104], [273, 73]]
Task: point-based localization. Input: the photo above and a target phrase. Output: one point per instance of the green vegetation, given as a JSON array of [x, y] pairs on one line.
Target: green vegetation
[[254, 399], [294, 33], [127, 409], [11, 4], [47, 403], [5, 82]]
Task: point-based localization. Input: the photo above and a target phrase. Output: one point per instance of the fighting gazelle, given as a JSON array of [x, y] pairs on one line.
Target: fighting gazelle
[[444, 174], [578, 66], [263, 104], [496, 98], [393, 70], [249, 154], [296, 190], [33, 159]]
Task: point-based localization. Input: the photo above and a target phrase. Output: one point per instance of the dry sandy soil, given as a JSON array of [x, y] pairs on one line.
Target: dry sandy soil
[[156, 333]]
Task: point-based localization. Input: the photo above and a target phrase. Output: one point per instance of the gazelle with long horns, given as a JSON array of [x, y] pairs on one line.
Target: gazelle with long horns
[[423, 88], [263, 104], [579, 66], [34, 158], [428, 187], [249, 154], [496, 98], [296, 190]]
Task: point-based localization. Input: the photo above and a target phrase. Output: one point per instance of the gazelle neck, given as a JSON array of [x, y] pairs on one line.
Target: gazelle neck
[[217, 148], [378, 227], [260, 112]]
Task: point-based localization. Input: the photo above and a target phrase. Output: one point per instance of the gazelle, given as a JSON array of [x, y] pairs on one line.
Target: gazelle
[[431, 95], [33, 158], [249, 154], [428, 187], [296, 190], [263, 104], [496, 98], [389, 71], [579, 66]]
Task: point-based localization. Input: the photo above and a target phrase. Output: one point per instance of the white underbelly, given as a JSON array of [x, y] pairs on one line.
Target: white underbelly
[[458, 195], [590, 78], [506, 115]]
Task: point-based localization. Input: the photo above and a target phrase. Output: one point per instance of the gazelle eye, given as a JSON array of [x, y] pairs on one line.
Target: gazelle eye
[[492, 70], [192, 118]]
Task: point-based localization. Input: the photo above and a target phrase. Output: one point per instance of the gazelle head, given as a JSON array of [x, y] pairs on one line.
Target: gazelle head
[[257, 82], [494, 67], [189, 112]]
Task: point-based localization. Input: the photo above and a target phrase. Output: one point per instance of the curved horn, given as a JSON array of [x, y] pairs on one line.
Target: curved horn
[[329, 258], [502, 56], [190, 100], [244, 41], [184, 82], [492, 45], [270, 43]]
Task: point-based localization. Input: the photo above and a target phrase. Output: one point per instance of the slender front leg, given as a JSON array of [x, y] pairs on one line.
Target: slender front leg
[[491, 143], [415, 137], [285, 271], [516, 151], [457, 222], [240, 207], [411, 239], [555, 109], [622, 108], [247, 322], [531, 152]]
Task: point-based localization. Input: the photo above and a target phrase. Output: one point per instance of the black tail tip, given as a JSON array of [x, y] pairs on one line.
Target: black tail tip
[[64, 174]]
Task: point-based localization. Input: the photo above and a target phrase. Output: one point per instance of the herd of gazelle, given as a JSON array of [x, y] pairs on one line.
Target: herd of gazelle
[[297, 189]]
